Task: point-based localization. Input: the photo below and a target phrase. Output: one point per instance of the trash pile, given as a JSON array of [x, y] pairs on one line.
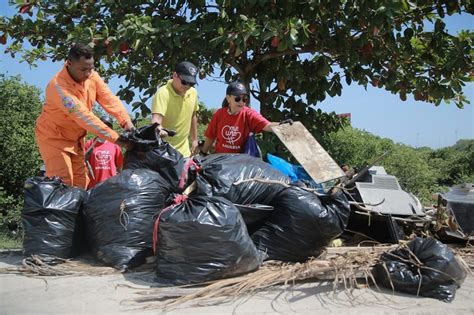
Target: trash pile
[[213, 217], [192, 214]]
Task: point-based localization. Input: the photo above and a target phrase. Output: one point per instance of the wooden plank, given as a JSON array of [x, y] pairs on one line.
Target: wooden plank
[[308, 152]]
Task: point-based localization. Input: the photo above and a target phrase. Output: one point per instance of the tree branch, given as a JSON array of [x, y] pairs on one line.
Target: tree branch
[[261, 58]]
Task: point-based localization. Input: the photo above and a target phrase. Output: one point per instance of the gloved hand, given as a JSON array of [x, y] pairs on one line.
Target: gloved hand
[[286, 121], [170, 132], [163, 132]]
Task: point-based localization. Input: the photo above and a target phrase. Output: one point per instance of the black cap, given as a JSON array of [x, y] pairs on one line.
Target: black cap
[[236, 89], [187, 71], [107, 120]]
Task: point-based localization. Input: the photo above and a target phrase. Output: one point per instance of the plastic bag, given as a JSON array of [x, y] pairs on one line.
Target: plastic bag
[[251, 146], [283, 166], [302, 224], [151, 152], [439, 275], [119, 215], [223, 171], [49, 216], [254, 215], [201, 239], [296, 173]]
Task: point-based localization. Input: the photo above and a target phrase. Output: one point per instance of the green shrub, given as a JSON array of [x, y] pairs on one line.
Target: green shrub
[[19, 109], [422, 172], [10, 216]]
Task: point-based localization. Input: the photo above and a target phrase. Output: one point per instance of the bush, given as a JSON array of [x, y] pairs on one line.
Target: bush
[[20, 106], [356, 147], [421, 171], [414, 171], [10, 214], [455, 164]]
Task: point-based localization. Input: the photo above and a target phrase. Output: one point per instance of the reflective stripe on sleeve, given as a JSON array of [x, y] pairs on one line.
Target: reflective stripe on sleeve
[[68, 102]]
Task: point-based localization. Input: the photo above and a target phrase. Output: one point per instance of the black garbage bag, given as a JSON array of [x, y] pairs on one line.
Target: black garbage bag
[[151, 152], [119, 216], [49, 216], [254, 215], [201, 239], [302, 224], [438, 274], [221, 171]]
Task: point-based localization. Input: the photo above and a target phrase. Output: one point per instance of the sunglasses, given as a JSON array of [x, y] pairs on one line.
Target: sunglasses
[[184, 82], [244, 99]]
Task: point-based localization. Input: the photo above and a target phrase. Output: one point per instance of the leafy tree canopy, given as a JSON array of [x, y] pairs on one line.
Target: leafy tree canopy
[[292, 54]]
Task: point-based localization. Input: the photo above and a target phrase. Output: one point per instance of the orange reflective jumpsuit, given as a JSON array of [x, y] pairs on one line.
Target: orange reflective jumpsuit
[[65, 118]]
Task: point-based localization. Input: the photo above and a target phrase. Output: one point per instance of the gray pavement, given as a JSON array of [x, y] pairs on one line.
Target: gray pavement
[[116, 294]]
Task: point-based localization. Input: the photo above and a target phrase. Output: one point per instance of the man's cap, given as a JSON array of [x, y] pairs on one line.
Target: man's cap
[[236, 89], [187, 71], [107, 120]]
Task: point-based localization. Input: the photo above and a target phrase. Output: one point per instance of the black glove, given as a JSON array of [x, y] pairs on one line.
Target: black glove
[[171, 133], [287, 121]]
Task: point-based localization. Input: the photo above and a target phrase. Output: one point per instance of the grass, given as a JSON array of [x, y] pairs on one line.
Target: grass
[[9, 241]]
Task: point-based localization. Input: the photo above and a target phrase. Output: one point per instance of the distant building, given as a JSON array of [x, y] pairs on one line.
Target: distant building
[[346, 115]]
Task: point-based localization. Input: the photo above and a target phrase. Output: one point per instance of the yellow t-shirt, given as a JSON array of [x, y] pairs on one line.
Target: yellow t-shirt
[[177, 112]]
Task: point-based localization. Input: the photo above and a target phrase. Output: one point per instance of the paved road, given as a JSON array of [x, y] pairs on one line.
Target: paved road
[[112, 294]]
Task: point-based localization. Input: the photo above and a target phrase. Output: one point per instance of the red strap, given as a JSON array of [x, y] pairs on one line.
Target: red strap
[[177, 200], [184, 174]]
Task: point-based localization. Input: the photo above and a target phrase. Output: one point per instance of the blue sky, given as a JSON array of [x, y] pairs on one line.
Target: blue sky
[[374, 110]]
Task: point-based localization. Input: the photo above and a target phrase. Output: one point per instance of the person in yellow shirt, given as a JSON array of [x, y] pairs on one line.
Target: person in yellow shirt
[[175, 106], [67, 116]]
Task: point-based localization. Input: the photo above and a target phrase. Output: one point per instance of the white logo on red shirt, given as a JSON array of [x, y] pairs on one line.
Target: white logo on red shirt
[[103, 158], [231, 134]]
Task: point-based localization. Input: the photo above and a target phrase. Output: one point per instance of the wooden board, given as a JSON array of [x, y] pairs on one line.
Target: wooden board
[[308, 152]]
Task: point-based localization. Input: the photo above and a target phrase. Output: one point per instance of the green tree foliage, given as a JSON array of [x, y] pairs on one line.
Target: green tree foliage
[[414, 171], [20, 106], [456, 163], [291, 54], [420, 171], [356, 147]]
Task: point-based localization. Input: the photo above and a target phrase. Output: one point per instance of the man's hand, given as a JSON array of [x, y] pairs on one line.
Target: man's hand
[[129, 125], [195, 147]]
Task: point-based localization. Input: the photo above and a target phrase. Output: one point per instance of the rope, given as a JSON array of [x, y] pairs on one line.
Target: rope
[[124, 218]]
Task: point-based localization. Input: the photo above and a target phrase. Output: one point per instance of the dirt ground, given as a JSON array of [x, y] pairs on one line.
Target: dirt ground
[[116, 293]]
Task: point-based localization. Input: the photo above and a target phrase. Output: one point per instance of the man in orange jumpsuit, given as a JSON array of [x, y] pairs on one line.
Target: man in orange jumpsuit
[[67, 116]]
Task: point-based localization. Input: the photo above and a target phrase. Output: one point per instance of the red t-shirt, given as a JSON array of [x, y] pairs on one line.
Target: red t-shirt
[[106, 157], [231, 131]]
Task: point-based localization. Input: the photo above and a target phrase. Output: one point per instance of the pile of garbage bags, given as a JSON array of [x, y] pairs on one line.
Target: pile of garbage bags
[[205, 218]]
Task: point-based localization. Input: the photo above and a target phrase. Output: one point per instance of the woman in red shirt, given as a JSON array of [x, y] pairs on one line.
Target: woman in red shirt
[[231, 125]]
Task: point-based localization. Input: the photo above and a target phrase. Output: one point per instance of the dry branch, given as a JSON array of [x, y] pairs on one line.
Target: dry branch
[[344, 267], [36, 265]]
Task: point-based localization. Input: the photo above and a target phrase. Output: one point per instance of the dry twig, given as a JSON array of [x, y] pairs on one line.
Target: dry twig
[[344, 269]]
